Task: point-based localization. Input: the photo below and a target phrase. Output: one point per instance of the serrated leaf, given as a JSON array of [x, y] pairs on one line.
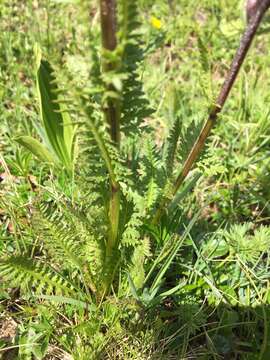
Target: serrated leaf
[[67, 300]]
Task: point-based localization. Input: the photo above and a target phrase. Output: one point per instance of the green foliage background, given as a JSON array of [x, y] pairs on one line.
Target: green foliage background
[[198, 285]]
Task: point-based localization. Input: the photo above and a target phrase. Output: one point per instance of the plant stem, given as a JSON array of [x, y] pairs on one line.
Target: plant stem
[[223, 95], [109, 43], [114, 211], [48, 27], [111, 111], [108, 23]]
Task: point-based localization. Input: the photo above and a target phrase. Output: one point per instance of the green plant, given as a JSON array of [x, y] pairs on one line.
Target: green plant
[[57, 131], [125, 182], [126, 224], [120, 180]]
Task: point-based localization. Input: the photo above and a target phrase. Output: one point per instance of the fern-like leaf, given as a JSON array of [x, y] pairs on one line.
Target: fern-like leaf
[[32, 275], [134, 105]]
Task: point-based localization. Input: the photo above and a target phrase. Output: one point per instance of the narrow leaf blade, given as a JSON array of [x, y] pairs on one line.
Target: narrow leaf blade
[[36, 148]]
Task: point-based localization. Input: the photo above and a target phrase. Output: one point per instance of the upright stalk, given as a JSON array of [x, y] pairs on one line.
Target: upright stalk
[[109, 43], [238, 60], [111, 111]]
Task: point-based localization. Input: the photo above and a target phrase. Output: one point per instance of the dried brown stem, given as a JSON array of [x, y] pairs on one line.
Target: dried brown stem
[[109, 42], [112, 117], [223, 95], [108, 23]]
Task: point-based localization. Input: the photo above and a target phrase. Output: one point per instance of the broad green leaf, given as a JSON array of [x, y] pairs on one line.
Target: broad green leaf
[[215, 248], [36, 148], [57, 123]]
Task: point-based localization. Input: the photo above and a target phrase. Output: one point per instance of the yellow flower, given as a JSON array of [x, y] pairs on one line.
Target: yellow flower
[[155, 22]]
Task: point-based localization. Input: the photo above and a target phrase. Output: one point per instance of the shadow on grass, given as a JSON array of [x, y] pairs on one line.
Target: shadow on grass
[[222, 332], [173, 330]]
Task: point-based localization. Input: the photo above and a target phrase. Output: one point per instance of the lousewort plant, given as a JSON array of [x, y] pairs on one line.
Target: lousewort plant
[[124, 184]]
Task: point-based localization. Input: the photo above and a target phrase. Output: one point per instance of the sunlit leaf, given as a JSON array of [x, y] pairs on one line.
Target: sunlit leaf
[[57, 123], [36, 148]]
